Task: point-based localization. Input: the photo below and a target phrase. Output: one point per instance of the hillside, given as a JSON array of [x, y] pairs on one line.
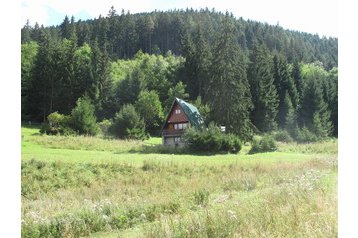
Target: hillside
[[123, 34], [250, 76]]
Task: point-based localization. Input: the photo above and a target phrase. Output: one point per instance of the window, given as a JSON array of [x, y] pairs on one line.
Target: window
[[180, 126], [177, 139], [177, 111]]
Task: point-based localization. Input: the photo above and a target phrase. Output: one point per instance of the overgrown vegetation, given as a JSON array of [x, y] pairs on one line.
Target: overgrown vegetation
[[211, 140], [265, 144], [172, 195]]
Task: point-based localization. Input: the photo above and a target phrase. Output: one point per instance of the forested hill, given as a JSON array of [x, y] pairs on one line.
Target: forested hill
[[249, 76], [122, 35]]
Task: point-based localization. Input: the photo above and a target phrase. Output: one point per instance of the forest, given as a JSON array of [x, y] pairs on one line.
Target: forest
[[251, 77]]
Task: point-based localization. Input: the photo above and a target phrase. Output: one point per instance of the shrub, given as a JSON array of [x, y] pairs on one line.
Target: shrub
[[104, 126], [127, 124], [212, 140], [265, 144], [304, 135], [57, 124], [83, 118], [282, 136]]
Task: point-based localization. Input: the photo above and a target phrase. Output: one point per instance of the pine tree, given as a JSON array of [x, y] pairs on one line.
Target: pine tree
[[227, 91], [263, 90]]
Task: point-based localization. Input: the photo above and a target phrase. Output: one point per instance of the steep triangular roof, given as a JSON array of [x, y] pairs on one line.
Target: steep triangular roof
[[190, 111]]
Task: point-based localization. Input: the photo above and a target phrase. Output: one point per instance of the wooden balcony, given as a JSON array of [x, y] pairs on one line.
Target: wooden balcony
[[172, 132]]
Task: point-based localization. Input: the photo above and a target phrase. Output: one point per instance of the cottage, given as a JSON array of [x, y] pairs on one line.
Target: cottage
[[182, 115]]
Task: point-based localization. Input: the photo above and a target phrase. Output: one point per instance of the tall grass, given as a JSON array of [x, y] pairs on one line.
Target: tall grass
[[281, 194], [66, 200]]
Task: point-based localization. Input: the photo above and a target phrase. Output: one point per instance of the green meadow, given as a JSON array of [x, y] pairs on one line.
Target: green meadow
[[100, 187]]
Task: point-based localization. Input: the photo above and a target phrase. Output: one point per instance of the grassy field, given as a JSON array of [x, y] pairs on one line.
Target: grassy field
[[97, 187]]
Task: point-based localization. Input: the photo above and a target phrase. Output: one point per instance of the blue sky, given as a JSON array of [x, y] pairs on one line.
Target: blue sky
[[313, 16]]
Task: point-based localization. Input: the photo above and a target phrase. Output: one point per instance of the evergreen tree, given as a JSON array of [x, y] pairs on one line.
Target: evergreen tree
[[65, 28], [83, 118], [227, 91], [127, 124], [26, 33], [198, 56], [297, 78], [290, 116], [263, 90], [39, 88], [314, 113], [285, 85], [333, 98], [28, 55]]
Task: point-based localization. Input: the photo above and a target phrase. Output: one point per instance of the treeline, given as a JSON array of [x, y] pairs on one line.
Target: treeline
[[247, 90], [122, 35]]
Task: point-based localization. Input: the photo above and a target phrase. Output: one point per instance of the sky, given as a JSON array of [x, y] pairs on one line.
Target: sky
[[313, 16]]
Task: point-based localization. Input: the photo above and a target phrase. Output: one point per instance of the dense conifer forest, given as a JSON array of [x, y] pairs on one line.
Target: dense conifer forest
[[250, 76]]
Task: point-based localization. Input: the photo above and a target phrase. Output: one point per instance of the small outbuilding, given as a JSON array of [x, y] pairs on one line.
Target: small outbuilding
[[181, 116]]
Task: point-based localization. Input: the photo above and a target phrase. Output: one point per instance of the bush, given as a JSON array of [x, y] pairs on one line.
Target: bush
[[127, 124], [57, 124], [104, 126], [304, 136], [212, 140], [265, 144], [282, 136]]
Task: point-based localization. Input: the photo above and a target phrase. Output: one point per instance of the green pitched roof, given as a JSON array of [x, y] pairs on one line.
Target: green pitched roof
[[191, 112]]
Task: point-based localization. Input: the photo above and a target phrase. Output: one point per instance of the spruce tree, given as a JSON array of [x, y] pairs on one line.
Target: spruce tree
[[290, 116], [263, 90], [83, 118], [227, 91], [314, 113], [285, 85]]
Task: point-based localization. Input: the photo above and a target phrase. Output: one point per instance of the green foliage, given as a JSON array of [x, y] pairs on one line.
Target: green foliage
[[282, 136], [57, 124], [286, 90], [263, 91], [150, 109], [104, 126], [314, 113], [201, 197], [203, 109], [227, 90], [28, 55], [266, 144], [178, 91], [212, 140], [305, 136], [197, 54], [128, 124], [83, 119]]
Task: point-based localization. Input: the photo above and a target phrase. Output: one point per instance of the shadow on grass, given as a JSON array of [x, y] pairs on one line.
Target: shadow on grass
[[179, 150]]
